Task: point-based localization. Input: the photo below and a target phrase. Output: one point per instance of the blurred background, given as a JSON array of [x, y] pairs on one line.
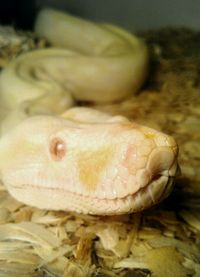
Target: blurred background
[[135, 15]]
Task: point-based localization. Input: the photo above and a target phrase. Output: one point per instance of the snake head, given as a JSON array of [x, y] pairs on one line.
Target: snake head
[[110, 167]]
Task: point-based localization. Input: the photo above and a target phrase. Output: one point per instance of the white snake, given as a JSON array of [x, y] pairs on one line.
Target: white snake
[[85, 160]]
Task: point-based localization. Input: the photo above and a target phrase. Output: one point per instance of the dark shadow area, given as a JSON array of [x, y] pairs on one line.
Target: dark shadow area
[[19, 13]]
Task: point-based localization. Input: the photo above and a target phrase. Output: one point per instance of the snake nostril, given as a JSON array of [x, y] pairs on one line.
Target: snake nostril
[[156, 177]]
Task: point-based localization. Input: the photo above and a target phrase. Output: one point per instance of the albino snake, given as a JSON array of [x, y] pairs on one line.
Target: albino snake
[[84, 160]]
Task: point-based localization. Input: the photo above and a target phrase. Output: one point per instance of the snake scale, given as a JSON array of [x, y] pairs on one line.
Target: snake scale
[[55, 156]]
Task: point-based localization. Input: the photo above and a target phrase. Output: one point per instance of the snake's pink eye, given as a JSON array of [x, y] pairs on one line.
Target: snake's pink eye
[[57, 149]]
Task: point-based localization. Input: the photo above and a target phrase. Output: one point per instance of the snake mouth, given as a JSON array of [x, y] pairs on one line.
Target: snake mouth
[[161, 183], [60, 199], [55, 198], [158, 186]]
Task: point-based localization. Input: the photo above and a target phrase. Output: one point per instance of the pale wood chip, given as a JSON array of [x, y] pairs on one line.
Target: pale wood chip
[[192, 266], [148, 233], [186, 248], [140, 248], [109, 236], [7, 201], [131, 262], [192, 217], [50, 255], [17, 270], [84, 250], [75, 270], [7, 246], [30, 232], [72, 226], [50, 218], [23, 214], [5, 215], [55, 268], [21, 257], [165, 262], [123, 247]]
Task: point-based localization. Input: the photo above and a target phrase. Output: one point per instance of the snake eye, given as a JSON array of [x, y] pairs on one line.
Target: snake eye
[[57, 149]]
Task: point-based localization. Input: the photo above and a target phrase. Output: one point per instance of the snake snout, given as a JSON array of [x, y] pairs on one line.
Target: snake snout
[[162, 167], [162, 162]]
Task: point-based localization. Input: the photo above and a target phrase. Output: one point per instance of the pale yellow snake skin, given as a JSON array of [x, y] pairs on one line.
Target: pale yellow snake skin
[[99, 63], [85, 160]]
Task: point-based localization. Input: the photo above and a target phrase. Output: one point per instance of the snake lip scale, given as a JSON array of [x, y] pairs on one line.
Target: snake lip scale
[[108, 204]]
